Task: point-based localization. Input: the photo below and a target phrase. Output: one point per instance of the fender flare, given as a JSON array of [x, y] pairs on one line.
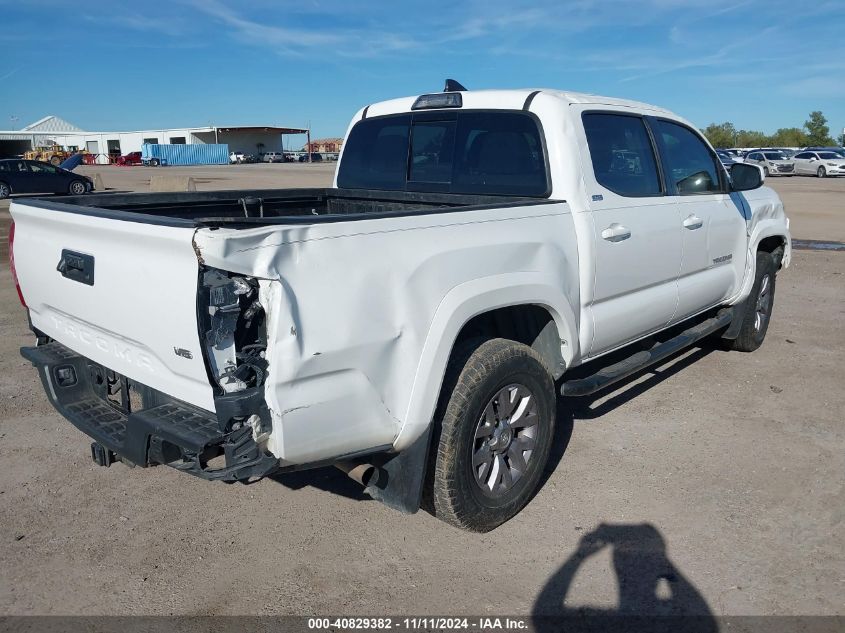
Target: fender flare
[[462, 303], [761, 231]]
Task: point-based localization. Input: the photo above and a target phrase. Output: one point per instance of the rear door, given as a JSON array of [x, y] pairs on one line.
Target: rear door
[[637, 231], [122, 293], [802, 162], [713, 222], [21, 178]]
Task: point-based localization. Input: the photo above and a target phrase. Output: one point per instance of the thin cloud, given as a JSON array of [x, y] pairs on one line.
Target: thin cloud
[[299, 42], [9, 73]]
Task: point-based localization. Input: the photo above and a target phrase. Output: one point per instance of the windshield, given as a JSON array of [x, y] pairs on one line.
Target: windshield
[[775, 156], [457, 152], [829, 155]]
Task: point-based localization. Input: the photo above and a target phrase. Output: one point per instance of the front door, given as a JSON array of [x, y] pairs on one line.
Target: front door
[[637, 232], [714, 223]]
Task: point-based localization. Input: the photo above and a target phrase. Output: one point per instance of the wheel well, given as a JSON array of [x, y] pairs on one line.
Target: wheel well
[[529, 324], [773, 245]]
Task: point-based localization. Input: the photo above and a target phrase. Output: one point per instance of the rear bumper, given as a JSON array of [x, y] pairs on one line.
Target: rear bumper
[[141, 425]]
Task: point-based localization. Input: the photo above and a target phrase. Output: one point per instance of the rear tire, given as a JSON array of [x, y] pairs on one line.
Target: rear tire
[[77, 188], [496, 422], [5, 191], [758, 306], [154, 162], [821, 173]]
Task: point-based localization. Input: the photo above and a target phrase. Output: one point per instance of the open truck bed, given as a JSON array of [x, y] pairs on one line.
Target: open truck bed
[[271, 206]]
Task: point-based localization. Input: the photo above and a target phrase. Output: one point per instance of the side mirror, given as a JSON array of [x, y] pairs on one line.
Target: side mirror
[[813, 159], [745, 177]]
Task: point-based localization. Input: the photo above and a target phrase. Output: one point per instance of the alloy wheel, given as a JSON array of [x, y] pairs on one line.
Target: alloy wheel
[[505, 439]]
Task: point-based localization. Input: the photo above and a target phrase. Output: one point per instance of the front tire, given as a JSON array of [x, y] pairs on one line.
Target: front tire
[[154, 162], [77, 188], [821, 173], [5, 191], [496, 422], [758, 306]]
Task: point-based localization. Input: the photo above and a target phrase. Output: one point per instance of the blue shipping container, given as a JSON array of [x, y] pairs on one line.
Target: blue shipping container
[[211, 154]]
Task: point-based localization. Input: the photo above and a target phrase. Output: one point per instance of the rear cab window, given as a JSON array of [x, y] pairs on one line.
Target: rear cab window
[[468, 152], [622, 154]]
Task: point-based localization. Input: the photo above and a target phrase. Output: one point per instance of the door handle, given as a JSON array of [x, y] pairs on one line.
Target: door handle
[[616, 233], [693, 222]]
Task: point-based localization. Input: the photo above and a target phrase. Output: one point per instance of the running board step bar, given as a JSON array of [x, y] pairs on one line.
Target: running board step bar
[[624, 368]]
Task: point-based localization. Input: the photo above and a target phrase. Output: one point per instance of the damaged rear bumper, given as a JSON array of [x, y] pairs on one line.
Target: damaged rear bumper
[[143, 426]]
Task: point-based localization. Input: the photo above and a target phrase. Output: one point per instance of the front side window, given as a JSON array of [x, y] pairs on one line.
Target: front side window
[[689, 165], [804, 155], [465, 152], [622, 154], [42, 168]]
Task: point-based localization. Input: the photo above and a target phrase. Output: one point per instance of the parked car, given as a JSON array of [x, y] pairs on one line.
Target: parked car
[[726, 158], [820, 164], [518, 250], [33, 176], [236, 157], [273, 157], [835, 150], [315, 158], [774, 163], [132, 158]]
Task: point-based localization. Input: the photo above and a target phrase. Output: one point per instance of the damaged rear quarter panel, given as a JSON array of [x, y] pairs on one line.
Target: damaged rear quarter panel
[[351, 304]]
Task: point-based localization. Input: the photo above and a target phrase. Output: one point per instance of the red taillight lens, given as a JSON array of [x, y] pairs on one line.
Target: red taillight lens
[[12, 262]]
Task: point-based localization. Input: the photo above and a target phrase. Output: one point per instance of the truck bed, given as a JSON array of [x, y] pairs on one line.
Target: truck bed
[[233, 208]]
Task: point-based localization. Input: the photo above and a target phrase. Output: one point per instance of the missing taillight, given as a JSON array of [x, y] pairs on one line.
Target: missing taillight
[[235, 338]]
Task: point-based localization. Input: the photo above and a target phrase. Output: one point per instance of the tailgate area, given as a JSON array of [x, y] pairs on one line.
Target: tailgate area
[[122, 293]]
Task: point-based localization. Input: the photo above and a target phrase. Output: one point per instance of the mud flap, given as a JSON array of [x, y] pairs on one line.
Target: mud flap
[[400, 484]]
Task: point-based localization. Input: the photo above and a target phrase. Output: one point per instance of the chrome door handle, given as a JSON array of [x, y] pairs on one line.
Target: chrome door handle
[[693, 222], [616, 233]]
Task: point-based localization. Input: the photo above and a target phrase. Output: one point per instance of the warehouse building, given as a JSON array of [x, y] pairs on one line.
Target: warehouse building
[[53, 130]]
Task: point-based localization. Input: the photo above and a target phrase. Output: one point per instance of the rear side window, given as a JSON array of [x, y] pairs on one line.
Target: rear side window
[[622, 154], [689, 165], [458, 152], [4, 166], [376, 154]]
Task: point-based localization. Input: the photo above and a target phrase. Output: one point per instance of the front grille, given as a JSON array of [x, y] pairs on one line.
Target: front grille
[[786, 167]]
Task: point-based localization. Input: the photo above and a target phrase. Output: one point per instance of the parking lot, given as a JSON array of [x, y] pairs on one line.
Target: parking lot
[[711, 484]]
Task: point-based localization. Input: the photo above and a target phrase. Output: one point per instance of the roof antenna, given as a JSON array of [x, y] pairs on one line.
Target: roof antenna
[[453, 86]]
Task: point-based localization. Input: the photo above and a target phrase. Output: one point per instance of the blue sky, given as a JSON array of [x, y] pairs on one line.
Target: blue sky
[[109, 65]]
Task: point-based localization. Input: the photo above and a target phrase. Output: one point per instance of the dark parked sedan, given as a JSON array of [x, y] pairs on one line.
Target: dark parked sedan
[[33, 176], [315, 158]]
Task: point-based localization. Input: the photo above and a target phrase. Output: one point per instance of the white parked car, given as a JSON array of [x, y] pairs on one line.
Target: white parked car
[[415, 323], [773, 162], [819, 164], [236, 157]]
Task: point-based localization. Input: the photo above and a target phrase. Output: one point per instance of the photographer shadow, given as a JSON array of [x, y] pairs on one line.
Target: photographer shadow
[[653, 594]]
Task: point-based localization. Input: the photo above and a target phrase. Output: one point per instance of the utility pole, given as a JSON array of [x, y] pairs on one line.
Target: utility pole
[[308, 144]]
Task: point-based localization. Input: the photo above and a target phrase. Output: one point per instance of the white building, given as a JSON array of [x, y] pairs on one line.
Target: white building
[[52, 130]]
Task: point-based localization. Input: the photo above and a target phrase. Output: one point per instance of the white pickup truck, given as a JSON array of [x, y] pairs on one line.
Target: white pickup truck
[[479, 253]]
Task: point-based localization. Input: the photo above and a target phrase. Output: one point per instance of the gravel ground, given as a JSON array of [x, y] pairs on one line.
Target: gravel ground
[[712, 485]]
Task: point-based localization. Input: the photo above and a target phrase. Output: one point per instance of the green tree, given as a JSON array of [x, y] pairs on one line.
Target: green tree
[[751, 138], [817, 131], [789, 137], [721, 135]]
